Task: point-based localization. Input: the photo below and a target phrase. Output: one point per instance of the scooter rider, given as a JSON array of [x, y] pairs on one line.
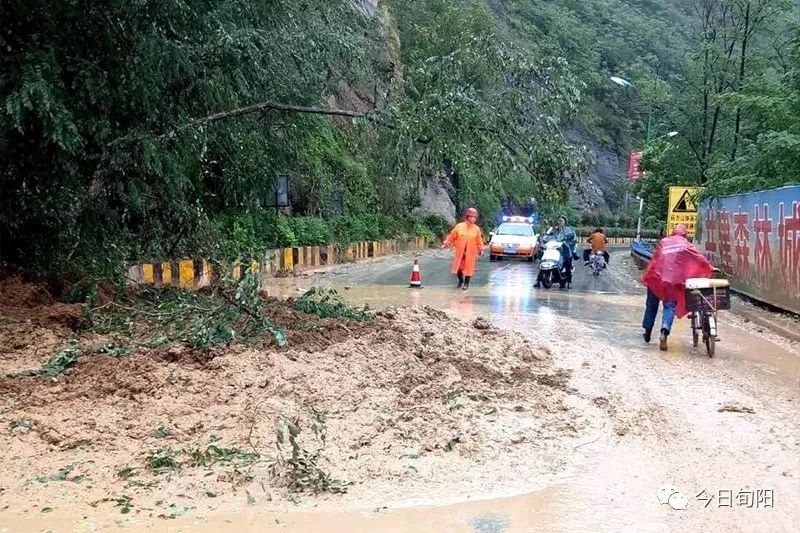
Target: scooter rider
[[598, 240], [565, 234]]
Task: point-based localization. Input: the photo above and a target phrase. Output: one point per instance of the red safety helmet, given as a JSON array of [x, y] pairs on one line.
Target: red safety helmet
[[472, 212]]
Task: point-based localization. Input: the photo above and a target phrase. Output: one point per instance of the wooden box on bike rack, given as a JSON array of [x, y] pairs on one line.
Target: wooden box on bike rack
[[707, 294]]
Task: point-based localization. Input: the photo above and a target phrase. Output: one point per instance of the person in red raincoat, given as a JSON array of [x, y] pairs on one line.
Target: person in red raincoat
[[467, 238], [674, 261]]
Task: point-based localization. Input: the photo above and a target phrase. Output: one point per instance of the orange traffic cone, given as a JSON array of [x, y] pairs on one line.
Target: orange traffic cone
[[416, 279]]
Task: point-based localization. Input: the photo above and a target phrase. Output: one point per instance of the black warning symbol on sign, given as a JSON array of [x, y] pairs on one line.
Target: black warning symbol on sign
[[685, 204]]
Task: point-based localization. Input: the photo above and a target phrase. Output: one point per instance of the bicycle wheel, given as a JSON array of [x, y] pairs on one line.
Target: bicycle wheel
[[695, 334], [710, 344], [708, 338]]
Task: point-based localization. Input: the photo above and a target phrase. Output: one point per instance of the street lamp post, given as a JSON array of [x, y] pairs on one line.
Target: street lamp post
[[639, 222], [622, 82]]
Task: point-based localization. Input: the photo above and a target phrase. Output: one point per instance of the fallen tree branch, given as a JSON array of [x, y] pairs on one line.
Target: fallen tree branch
[[268, 106], [263, 107]]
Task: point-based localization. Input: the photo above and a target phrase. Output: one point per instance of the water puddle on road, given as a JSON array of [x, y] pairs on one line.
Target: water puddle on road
[[505, 515], [609, 480], [528, 512]]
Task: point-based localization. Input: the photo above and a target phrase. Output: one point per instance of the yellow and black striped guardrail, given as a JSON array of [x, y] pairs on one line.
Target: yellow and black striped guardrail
[[198, 273]]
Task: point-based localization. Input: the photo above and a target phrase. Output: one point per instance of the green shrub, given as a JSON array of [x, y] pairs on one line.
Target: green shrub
[[420, 230], [379, 226], [349, 228], [436, 224], [311, 231], [600, 219], [285, 235], [249, 233]]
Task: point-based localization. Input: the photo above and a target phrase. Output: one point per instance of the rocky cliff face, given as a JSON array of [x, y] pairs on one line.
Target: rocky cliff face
[[435, 199], [599, 188]]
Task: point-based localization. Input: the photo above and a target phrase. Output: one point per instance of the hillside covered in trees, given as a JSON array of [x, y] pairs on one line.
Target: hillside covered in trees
[[155, 129]]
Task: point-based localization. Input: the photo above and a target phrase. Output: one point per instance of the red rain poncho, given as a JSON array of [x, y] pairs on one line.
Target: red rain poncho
[[674, 261]]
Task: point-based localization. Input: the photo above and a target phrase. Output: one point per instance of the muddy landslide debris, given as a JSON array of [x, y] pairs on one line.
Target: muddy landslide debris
[[376, 403]]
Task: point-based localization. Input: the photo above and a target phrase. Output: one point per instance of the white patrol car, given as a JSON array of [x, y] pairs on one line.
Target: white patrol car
[[513, 238]]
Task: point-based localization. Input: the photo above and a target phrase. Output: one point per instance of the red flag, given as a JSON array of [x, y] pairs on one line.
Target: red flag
[[633, 166]]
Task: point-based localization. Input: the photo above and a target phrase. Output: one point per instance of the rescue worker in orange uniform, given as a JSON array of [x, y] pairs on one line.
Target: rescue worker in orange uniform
[[467, 238]]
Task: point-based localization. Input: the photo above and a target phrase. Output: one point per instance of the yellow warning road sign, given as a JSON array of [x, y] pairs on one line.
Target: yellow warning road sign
[[682, 208]]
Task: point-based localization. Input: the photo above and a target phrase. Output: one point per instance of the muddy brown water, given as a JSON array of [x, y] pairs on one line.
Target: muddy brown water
[[654, 419]]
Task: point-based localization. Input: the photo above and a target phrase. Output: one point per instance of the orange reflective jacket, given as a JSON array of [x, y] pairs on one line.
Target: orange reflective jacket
[[467, 238]]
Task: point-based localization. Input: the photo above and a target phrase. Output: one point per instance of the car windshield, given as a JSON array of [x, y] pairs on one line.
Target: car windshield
[[519, 230]]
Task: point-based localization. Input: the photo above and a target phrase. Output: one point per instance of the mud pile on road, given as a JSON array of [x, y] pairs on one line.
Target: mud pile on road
[[32, 324], [385, 407]]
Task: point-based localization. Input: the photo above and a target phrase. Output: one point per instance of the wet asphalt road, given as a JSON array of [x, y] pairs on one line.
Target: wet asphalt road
[[519, 274], [504, 288]]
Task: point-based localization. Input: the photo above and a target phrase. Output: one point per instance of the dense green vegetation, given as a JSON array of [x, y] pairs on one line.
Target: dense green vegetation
[[121, 140], [101, 160], [127, 130], [642, 41], [734, 106]]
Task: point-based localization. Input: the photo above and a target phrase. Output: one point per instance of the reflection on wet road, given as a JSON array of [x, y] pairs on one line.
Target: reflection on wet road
[[609, 306]]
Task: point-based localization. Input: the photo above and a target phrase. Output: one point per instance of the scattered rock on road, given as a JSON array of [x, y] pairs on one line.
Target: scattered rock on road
[[481, 323], [735, 408]]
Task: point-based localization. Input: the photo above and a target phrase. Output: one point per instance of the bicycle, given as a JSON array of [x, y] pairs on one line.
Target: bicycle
[[704, 297]]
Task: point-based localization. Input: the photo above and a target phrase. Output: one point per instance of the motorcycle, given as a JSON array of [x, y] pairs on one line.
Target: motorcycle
[[552, 268], [597, 262]]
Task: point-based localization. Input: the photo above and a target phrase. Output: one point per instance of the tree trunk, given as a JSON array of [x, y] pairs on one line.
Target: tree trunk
[[740, 79]]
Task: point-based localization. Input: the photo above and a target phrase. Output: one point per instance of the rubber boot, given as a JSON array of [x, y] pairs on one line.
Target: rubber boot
[[647, 334], [460, 279], [466, 283], [662, 340]]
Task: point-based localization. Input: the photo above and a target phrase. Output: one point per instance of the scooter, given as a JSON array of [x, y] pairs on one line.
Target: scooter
[[597, 262], [551, 266]]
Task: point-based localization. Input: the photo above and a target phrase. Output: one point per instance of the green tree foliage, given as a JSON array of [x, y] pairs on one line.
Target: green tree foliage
[[108, 156], [488, 106], [642, 41], [735, 105], [769, 153], [98, 164]]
